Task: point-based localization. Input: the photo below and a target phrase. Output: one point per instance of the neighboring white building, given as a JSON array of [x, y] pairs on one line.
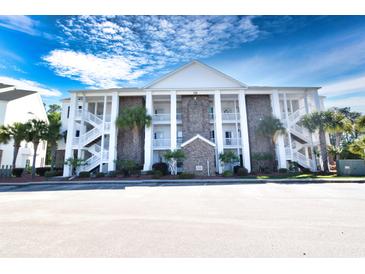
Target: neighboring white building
[[232, 108], [18, 105]]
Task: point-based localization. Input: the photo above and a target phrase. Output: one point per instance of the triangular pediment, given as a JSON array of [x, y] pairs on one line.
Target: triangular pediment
[[195, 75], [196, 137]]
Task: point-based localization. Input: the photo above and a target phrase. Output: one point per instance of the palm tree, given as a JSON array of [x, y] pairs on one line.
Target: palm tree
[[272, 128], [228, 157], [38, 130], [54, 134], [360, 123], [318, 121], [358, 147], [133, 119], [17, 132], [337, 124], [174, 156]]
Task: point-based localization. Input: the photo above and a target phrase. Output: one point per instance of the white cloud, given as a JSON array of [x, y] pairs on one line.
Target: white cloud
[[90, 69], [127, 47], [356, 103], [19, 23], [30, 85], [345, 86]]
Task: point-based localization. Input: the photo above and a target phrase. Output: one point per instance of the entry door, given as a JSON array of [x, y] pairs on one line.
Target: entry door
[[228, 135]]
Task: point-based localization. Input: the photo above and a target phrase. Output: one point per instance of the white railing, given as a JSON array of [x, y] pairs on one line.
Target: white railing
[[211, 116], [161, 117], [92, 118], [232, 141], [296, 114], [91, 163], [178, 116], [75, 141], [161, 143], [89, 136], [230, 116]]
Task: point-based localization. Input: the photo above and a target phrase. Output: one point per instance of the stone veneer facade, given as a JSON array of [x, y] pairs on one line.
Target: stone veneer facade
[[131, 142], [258, 106], [199, 153], [195, 116]]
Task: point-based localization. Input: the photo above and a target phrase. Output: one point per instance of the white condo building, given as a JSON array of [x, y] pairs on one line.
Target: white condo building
[[18, 105], [196, 108]]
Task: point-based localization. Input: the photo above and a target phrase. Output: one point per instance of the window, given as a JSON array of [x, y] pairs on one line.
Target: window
[[158, 135], [159, 111], [80, 107], [68, 112], [77, 133], [228, 135], [212, 134], [27, 163]]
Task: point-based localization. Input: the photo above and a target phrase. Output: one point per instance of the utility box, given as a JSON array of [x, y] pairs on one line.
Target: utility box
[[350, 167]]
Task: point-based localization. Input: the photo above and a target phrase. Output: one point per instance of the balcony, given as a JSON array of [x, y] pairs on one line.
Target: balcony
[[230, 117], [161, 143], [232, 142], [165, 118]]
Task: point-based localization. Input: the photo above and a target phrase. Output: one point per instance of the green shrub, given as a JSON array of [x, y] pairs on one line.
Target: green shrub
[[99, 174], [157, 174], [53, 173], [112, 174], [185, 175], [126, 167], [283, 170], [227, 173], [42, 170], [84, 174], [242, 171], [17, 172], [149, 172], [163, 167]]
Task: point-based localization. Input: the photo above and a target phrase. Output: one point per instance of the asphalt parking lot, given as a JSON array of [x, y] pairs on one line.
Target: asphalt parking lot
[[248, 220]]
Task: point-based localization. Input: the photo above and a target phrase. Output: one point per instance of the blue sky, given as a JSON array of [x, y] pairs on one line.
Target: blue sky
[[53, 54]]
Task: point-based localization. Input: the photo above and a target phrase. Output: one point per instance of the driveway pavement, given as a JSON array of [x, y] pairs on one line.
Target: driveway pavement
[[253, 220]]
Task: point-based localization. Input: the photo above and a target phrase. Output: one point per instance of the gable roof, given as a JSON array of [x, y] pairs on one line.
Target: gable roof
[[198, 136], [15, 94], [195, 62], [5, 85]]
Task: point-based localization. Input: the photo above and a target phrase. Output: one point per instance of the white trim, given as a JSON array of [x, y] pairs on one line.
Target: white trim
[[188, 65], [198, 136]]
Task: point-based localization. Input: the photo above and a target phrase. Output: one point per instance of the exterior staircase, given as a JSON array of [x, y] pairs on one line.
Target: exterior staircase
[[88, 141], [298, 152]]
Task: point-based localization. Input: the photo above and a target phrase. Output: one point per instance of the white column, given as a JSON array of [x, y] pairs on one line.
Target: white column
[[288, 127], [280, 142], [148, 135], [70, 133], [173, 127], [244, 131], [102, 136], [113, 132], [218, 127], [317, 101]]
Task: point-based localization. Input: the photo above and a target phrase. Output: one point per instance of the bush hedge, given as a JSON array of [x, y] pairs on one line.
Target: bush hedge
[[227, 173], [185, 175], [17, 172], [84, 174], [242, 171], [56, 172], [41, 171], [163, 167], [283, 170]]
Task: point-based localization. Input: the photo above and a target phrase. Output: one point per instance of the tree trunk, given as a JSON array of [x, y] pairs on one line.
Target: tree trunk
[[323, 148], [53, 156], [34, 158], [337, 144], [15, 153]]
